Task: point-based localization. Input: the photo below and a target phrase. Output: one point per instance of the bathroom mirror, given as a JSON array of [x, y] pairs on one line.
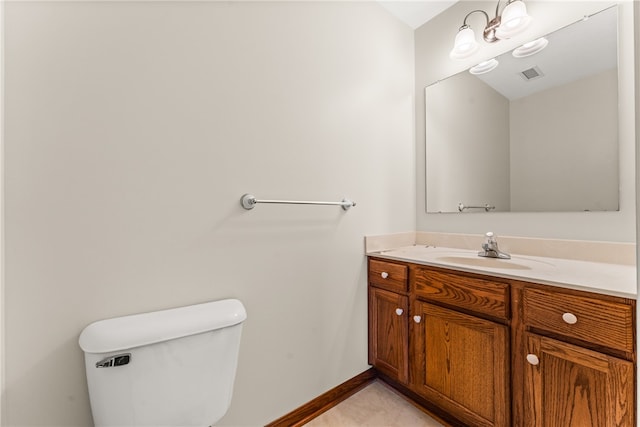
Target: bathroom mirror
[[536, 134]]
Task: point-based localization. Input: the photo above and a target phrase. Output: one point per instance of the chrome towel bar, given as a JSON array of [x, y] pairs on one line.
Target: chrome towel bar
[[249, 201], [462, 207]]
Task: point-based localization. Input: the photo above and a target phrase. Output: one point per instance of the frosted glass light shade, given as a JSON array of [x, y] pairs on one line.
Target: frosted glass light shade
[[514, 20], [465, 44], [484, 67], [530, 48]]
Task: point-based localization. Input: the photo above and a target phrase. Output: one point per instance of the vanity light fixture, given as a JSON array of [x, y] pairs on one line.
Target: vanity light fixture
[[530, 48], [513, 21], [484, 67]]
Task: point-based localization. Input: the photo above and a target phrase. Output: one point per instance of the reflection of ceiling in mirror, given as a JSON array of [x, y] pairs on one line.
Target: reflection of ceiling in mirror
[[589, 46]]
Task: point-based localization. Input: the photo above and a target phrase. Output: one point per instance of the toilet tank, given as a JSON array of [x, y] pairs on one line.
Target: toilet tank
[[167, 368]]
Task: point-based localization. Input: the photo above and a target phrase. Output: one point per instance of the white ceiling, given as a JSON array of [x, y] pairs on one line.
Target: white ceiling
[[416, 13]]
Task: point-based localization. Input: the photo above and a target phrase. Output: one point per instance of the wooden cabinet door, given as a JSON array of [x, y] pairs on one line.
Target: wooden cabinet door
[[569, 386], [389, 333], [462, 364]]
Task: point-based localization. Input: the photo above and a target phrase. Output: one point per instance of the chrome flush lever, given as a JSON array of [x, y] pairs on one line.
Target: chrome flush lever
[[117, 360]]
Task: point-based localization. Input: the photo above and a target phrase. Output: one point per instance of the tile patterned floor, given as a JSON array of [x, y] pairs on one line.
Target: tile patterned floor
[[377, 405]]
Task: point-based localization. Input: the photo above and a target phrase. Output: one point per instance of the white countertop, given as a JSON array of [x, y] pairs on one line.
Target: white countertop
[[606, 278]]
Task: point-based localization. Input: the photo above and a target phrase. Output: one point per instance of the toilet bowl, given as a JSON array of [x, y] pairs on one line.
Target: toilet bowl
[[170, 368]]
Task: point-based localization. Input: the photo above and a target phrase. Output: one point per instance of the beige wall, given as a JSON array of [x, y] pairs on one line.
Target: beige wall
[[434, 40], [541, 155], [637, 162], [132, 130], [468, 159], [2, 268]]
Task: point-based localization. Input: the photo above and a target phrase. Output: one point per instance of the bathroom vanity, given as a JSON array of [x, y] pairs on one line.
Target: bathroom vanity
[[480, 343]]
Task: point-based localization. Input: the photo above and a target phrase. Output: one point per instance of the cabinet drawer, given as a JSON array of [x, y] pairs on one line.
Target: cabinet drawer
[[469, 293], [388, 275], [586, 318]]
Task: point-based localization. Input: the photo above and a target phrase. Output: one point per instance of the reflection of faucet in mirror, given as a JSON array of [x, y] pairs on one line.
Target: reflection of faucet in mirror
[[490, 247]]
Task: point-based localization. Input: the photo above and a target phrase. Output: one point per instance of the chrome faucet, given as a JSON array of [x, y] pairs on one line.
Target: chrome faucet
[[490, 247]]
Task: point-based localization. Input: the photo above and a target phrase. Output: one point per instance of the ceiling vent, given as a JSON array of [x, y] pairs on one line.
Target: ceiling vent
[[532, 73]]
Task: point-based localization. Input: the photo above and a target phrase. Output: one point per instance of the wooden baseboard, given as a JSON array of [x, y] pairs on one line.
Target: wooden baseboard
[[325, 401]]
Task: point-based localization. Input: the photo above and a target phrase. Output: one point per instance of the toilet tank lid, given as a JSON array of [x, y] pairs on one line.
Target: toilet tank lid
[[136, 330]]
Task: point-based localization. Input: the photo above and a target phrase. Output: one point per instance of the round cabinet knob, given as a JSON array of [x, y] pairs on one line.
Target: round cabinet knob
[[399, 311], [417, 319], [533, 359], [384, 274], [569, 318]]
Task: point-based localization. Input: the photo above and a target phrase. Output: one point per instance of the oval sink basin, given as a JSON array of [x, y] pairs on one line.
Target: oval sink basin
[[466, 257], [509, 264]]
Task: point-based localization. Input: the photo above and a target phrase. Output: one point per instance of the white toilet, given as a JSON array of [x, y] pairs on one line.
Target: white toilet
[[171, 368]]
